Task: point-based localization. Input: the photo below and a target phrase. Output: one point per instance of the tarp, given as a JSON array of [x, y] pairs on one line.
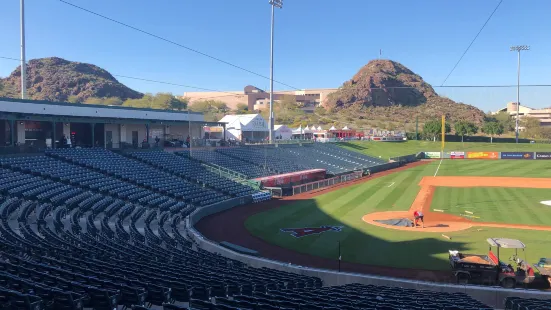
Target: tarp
[[403, 222]]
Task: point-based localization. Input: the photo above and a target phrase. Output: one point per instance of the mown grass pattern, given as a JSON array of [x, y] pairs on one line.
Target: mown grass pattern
[[367, 244]]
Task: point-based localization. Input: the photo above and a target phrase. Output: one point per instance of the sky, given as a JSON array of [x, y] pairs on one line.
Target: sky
[[318, 44]]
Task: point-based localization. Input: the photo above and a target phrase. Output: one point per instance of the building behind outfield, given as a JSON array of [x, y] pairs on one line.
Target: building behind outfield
[[257, 99], [39, 124], [543, 115]]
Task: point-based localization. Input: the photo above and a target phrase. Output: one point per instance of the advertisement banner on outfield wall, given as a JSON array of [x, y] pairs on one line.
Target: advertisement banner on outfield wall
[[457, 155], [432, 155], [543, 155], [483, 155], [517, 155]]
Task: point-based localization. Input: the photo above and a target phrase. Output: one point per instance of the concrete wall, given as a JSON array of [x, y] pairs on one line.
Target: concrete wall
[[135, 127], [491, 296], [115, 129]]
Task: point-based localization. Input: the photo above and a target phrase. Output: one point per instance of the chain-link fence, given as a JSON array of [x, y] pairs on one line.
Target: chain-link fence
[[303, 188]]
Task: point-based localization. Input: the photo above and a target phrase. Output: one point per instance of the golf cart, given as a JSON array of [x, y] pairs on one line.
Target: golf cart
[[489, 269], [544, 268]]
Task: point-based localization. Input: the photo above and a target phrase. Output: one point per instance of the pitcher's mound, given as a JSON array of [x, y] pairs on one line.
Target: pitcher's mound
[[403, 222], [434, 222]]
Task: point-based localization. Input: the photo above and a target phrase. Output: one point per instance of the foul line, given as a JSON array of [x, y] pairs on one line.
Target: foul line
[[438, 167], [391, 184]]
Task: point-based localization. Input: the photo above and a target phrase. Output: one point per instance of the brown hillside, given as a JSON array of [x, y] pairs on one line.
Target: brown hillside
[[387, 90], [56, 79]]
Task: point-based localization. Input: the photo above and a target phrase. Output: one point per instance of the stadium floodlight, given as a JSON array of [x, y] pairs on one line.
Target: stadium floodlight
[[518, 48], [23, 61], [274, 4]]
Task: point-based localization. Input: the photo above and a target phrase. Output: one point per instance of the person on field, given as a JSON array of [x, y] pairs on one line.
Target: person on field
[[419, 216]]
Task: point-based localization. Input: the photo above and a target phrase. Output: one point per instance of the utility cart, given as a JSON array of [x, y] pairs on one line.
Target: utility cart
[[489, 269], [544, 268]]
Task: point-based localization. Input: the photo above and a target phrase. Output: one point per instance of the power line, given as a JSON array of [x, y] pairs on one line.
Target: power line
[[155, 81], [170, 83], [9, 58], [173, 43], [229, 94], [468, 47]]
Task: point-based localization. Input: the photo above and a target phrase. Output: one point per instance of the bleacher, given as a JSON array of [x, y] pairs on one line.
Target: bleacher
[[250, 170], [50, 264], [92, 229], [259, 161], [516, 303], [193, 171], [142, 174]]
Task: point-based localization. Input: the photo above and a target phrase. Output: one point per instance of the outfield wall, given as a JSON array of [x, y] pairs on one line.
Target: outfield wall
[[492, 296], [488, 155]]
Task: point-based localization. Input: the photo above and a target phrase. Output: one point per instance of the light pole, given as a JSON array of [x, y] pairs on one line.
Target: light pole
[[518, 48], [23, 62], [279, 4]]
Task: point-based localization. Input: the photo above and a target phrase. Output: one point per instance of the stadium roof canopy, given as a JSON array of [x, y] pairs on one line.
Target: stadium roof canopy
[[19, 109]]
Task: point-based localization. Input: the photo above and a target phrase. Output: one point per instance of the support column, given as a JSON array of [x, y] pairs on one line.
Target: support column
[[224, 128], [93, 134], [12, 133], [53, 134], [20, 132], [147, 133]]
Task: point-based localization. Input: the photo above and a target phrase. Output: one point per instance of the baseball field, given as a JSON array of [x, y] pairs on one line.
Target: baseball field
[[464, 201]]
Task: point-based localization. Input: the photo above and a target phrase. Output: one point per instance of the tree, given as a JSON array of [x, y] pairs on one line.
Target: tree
[[100, 101], [532, 128], [212, 109], [492, 128], [433, 128], [463, 128], [242, 108], [160, 101], [73, 99], [505, 120]]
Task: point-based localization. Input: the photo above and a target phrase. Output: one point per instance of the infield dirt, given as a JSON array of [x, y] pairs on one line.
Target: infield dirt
[[442, 222]]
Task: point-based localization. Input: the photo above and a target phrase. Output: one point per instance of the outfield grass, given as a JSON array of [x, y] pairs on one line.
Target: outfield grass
[[368, 244], [393, 149], [501, 205]]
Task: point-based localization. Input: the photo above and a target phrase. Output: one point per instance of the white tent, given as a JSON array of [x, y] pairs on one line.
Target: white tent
[[282, 132], [251, 127]]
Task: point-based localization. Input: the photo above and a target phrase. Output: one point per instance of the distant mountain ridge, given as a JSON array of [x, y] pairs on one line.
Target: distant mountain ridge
[[388, 89], [57, 79]]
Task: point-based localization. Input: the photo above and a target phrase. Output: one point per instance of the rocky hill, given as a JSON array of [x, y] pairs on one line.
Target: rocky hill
[[57, 79], [386, 90]]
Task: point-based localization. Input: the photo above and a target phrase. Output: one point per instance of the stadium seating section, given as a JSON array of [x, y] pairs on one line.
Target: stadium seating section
[[94, 229], [269, 160], [515, 303]]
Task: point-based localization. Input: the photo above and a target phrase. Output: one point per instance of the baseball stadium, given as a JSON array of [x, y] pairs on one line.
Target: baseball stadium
[[243, 226], [346, 181]]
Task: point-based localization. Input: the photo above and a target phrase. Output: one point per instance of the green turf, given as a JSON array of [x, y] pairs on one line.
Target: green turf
[[392, 149], [368, 244], [501, 205]]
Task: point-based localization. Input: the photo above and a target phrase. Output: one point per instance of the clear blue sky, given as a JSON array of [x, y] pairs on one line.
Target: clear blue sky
[[319, 44]]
